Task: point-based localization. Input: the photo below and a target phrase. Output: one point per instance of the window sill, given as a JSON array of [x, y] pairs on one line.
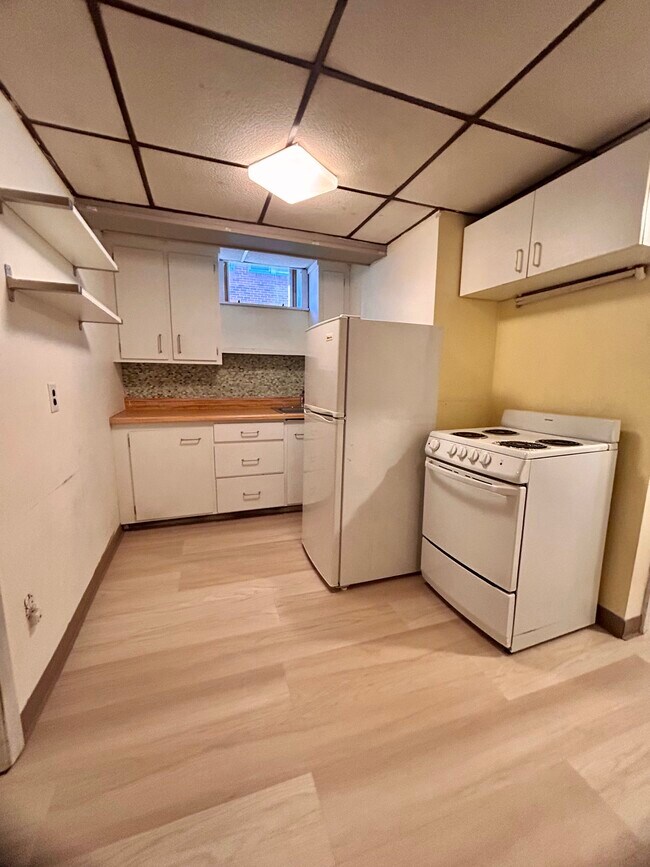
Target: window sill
[[265, 306]]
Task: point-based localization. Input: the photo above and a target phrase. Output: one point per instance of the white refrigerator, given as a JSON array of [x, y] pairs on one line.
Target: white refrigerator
[[371, 391]]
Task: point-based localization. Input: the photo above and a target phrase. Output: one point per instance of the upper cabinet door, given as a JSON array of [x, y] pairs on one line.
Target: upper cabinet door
[[495, 249], [596, 209], [142, 296], [194, 298]]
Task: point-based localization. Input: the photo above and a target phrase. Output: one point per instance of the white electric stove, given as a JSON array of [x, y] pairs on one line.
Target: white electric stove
[[514, 522]]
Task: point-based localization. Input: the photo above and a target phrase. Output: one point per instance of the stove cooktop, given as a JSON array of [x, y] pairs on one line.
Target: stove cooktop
[[526, 444]]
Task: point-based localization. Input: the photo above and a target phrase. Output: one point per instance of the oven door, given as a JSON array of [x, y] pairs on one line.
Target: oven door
[[476, 520]]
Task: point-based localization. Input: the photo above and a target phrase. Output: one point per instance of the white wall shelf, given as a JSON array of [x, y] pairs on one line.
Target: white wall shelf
[[57, 221], [70, 297]]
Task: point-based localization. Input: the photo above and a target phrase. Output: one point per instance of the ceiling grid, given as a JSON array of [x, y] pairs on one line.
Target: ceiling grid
[[416, 107]]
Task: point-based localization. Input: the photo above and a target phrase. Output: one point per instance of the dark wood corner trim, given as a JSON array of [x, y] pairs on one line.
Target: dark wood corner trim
[[36, 702], [617, 625]]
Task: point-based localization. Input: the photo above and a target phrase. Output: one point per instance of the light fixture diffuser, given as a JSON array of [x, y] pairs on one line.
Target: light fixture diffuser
[[292, 175]]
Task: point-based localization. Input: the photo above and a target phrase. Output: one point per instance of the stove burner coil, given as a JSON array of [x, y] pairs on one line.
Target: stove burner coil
[[469, 434], [559, 442], [521, 444], [501, 431]]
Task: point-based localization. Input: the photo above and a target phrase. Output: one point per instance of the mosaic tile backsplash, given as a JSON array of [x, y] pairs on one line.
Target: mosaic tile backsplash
[[238, 376]]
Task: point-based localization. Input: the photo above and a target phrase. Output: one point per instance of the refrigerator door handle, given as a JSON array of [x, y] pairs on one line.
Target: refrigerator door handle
[[328, 418]]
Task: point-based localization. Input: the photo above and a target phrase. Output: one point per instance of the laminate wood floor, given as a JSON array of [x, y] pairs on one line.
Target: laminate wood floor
[[221, 706]]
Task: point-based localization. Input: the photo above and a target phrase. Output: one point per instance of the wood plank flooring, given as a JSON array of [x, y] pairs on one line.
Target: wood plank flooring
[[222, 707]]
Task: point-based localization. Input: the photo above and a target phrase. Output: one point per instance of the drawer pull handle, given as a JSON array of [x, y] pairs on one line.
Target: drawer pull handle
[[250, 462], [178, 344], [187, 441], [254, 496], [299, 436], [249, 434], [160, 344]]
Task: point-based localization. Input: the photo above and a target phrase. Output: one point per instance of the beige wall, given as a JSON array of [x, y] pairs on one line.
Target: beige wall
[[469, 336], [57, 480], [589, 354]]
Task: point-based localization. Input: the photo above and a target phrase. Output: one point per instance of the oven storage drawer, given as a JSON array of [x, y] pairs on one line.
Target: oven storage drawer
[[249, 459], [252, 492], [476, 520], [489, 608]]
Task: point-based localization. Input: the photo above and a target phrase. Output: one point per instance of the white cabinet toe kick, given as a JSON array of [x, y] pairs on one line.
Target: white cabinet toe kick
[[192, 470]]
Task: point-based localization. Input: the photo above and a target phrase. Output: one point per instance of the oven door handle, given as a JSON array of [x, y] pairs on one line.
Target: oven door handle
[[499, 490]]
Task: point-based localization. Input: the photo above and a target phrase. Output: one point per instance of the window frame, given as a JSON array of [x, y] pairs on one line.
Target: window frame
[[223, 282]]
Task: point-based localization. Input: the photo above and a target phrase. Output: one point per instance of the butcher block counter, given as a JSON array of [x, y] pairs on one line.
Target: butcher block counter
[[214, 411]]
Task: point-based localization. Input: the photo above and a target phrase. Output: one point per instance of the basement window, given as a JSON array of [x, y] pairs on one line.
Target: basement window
[[264, 285]]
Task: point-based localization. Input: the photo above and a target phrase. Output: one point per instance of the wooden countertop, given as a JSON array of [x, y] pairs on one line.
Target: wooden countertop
[[172, 411]]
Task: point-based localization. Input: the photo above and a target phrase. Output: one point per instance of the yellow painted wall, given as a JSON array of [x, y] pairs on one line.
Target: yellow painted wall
[[469, 336], [589, 354]]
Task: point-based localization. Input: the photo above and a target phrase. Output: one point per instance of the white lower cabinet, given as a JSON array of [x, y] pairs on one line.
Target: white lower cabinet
[[191, 470], [294, 434], [252, 492], [172, 472]]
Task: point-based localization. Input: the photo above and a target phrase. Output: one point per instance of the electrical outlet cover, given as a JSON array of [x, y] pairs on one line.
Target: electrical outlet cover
[[54, 397]]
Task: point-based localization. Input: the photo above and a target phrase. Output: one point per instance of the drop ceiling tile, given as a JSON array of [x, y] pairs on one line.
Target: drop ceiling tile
[[457, 54], [293, 27], [52, 65], [202, 187], [392, 220], [593, 86], [96, 168], [370, 141], [335, 213], [192, 93], [482, 168]]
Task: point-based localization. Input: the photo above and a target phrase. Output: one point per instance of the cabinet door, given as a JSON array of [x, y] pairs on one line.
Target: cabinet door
[[495, 249], [142, 295], [173, 472], [294, 433], [194, 297], [593, 210]]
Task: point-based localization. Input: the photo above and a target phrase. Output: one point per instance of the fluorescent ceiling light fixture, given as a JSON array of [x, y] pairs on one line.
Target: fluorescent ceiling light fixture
[[292, 175]]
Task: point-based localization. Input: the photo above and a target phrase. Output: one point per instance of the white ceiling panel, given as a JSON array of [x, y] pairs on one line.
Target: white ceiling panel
[[293, 27], [96, 168], [370, 141], [203, 187], [51, 62], [483, 168], [194, 94], [457, 54], [392, 220], [336, 213], [593, 86]]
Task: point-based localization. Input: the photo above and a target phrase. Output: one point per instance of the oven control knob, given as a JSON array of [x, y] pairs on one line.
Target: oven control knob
[[462, 454], [486, 459], [433, 445], [474, 456], [452, 451]]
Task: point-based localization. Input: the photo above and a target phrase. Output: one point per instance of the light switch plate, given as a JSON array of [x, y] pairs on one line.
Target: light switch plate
[[54, 397]]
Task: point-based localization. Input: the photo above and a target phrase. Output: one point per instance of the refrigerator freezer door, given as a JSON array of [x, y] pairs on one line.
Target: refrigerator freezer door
[[322, 479], [325, 365]]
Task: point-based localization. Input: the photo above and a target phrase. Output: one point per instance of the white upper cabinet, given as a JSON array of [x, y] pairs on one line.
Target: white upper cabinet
[[592, 211], [495, 249], [588, 222], [169, 303], [142, 296], [194, 299]]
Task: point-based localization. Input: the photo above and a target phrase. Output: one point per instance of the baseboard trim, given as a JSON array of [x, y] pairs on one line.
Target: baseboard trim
[[617, 625], [37, 700], [208, 519]]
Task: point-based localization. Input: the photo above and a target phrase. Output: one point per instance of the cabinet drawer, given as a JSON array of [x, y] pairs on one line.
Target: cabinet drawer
[[249, 459], [254, 492], [248, 431]]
